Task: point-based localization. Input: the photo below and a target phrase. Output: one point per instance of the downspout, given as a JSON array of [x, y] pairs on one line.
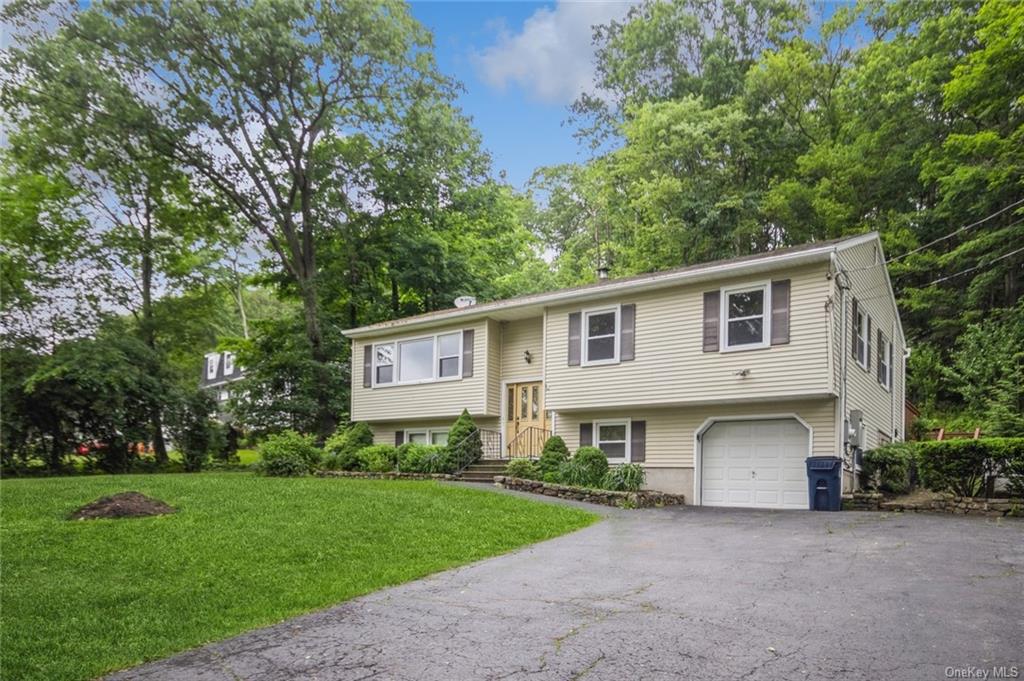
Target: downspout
[[843, 283]]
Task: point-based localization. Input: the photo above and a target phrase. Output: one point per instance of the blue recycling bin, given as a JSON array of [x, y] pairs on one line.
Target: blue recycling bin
[[825, 483]]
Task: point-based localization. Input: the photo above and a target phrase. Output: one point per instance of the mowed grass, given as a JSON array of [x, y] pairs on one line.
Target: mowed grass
[[80, 598]]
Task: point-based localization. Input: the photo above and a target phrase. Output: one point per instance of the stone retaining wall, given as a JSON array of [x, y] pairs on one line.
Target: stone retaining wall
[[992, 508], [392, 475], [642, 499], [862, 501]]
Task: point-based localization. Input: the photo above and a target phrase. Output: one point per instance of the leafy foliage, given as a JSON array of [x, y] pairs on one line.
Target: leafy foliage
[[964, 467], [341, 449], [626, 477], [586, 468], [464, 441], [526, 469], [417, 458], [892, 467], [195, 434], [553, 455], [378, 458], [288, 454]]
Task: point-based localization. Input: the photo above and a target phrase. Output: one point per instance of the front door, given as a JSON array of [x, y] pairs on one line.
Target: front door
[[525, 423]]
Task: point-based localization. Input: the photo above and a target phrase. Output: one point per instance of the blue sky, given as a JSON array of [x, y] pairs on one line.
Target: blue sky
[[522, 64]]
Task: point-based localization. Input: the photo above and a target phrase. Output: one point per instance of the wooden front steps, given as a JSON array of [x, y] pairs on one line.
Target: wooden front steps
[[484, 470]]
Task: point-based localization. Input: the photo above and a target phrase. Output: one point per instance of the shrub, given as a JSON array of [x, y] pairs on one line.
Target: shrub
[[554, 454], [378, 458], [342, 447], [288, 454], [417, 458], [194, 433], [1013, 470], [891, 468], [628, 477], [523, 468], [554, 477], [464, 442], [586, 469], [964, 467]]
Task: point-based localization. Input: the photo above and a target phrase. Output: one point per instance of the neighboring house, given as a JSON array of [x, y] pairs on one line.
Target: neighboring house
[[219, 372], [720, 378]]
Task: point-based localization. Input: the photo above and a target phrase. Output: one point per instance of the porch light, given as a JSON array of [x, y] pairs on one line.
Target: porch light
[[528, 356]]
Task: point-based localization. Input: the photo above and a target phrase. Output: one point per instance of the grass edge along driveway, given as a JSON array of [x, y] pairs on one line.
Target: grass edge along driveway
[[82, 598]]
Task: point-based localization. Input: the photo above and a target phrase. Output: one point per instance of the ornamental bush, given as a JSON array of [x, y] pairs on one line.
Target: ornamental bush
[[554, 454], [586, 469], [341, 449], [378, 458], [627, 477], [964, 467], [418, 458], [523, 468], [464, 443], [288, 454], [891, 468]]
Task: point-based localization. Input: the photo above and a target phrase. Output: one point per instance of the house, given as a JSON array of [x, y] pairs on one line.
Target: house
[[720, 378], [219, 372]]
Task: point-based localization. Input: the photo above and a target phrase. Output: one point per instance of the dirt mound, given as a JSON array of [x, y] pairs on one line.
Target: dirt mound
[[122, 505]]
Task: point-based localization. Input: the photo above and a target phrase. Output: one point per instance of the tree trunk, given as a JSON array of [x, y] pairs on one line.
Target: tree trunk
[[148, 329], [326, 420], [394, 297]]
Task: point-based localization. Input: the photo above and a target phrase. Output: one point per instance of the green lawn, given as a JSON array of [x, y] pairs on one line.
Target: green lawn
[[80, 598]]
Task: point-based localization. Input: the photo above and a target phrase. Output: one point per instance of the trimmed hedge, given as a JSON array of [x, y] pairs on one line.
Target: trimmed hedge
[[891, 468], [964, 467]]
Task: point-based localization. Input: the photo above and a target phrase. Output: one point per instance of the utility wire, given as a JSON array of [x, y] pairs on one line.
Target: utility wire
[[976, 267]]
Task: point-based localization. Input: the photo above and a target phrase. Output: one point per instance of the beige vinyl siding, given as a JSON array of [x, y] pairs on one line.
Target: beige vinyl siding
[[883, 409], [493, 367], [670, 431], [516, 338], [441, 399], [384, 433], [670, 366]]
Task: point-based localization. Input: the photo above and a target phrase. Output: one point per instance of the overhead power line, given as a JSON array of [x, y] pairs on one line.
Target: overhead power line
[[958, 231], [976, 267]]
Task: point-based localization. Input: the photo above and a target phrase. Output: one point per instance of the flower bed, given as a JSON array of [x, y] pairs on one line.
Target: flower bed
[[641, 499]]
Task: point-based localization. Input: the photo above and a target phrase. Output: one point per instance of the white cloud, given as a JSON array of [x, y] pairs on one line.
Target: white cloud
[[552, 57]]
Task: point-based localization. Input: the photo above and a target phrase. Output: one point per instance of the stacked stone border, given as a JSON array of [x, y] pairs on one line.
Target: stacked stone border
[[390, 475], [978, 506], [641, 499]]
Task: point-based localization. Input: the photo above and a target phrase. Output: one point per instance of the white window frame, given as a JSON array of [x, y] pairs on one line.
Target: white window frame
[[585, 337], [628, 423], [428, 432], [886, 362], [862, 339], [396, 360], [766, 316], [229, 363], [212, 360]]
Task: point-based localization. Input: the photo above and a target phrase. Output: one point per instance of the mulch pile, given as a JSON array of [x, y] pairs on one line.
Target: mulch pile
[[123, 505]]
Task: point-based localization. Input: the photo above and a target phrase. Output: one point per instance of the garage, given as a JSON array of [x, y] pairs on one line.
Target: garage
[[755, 463]]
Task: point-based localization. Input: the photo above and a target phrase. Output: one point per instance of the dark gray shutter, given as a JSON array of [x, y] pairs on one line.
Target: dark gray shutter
[[575, 331], [399, 438], [627, 341], [867, 344], [638, 441], [780, 312], [468, 336], [368, 365], [853, 338], [879, 373], [711, 313], [586, 434]]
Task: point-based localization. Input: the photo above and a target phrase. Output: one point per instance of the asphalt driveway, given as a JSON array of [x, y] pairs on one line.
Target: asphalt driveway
[[664, 594]]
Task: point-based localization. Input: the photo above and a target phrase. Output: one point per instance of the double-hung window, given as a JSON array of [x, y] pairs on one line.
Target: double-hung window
[[862, 338], [423, 436], [885, 361], [418, 360], [449, 355], [744, 320], [229, 363], [612, 438], [600, 336]]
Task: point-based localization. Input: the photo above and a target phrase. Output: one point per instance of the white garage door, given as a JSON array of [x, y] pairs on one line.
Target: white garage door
[[755, 464]]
